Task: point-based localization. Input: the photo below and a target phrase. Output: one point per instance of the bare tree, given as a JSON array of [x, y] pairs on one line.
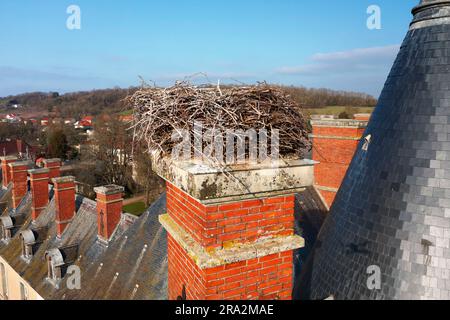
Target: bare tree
[[110, 150]]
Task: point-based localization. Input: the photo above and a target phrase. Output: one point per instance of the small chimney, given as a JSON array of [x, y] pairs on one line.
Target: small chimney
[[109, 210], [65, 202], [6, 172], [54, 165], [19, 178], [39, 190], [334, 143]]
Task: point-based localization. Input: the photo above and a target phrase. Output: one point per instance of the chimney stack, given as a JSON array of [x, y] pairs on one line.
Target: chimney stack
[[65, 202], [6, 172], [109, 209], [54, 165], [232, 239], [19, 179], [334, 144], [39, 190]]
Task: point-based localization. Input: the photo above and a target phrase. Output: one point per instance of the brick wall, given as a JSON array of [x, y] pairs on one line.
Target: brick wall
[[334, 146], [54, 165], [264, 278], [218, 226], [334, 156]]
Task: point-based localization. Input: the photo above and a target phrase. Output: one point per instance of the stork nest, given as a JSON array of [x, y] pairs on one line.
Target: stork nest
[[160, 111]]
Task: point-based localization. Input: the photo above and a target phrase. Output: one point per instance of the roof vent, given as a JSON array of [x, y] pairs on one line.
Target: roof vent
[[55, 262], [28, 241], [6, 224]]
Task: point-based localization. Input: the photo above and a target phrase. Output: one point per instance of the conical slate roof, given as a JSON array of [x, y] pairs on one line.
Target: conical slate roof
[[393, 209]]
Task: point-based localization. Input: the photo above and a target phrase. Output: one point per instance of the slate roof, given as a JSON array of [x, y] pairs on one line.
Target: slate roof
[[132, 266], [310, 213], [392, 214], [5, 196]]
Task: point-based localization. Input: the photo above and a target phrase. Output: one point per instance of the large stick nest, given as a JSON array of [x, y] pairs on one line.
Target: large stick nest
[[160, 111]]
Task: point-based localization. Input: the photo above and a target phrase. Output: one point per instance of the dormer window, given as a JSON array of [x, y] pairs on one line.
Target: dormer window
[[28, 240], [6, 224], [55, 262]]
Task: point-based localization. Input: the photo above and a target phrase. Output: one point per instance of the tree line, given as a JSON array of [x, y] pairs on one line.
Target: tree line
[[96, 102], [316, 98]]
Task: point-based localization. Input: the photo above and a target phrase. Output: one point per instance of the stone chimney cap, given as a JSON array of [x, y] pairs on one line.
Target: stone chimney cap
[[110, 189], [51, 160], [323, 117], [20, 164], [63, 179], [8, 158], [38, 171]]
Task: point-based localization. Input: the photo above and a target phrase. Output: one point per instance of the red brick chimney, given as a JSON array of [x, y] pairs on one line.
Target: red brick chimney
[[39, 191], [109, 210], [65, 202], [19, 179], [232, 239], [334, 144], [6, 172], [54, 165]]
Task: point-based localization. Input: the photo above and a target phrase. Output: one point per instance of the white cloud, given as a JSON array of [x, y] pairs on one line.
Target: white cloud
[[358, 54], [351, 61]]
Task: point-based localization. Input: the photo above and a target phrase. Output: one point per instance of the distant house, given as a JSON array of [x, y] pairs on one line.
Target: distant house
[[45, 122], [18, 148], [12, 118], [88, 119], [126, 119], [83, 124]]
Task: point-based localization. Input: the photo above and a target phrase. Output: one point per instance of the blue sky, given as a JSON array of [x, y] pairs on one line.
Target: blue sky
[[294, 42]]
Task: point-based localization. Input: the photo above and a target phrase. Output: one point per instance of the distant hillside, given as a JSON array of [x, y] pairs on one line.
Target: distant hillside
[[74, 104], [96, 102]]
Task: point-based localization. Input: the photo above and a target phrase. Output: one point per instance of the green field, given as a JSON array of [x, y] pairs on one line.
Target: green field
[[126, 113], [136, 208], [338, 110]]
